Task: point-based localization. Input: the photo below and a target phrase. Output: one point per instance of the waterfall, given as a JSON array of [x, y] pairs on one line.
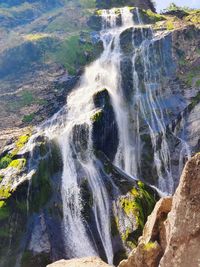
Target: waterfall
[[78, 162], [72, 128]]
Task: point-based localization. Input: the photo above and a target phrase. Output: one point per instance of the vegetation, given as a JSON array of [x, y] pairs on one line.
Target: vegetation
[[35, 37], [154, 17], [18, 163], [5, 192], [149, 245], [5, 161], [28, 118], [41, 186], [138, 204], [174, 7], [73, 53], [170, 25], [194, 17], [97, 116], [4, 211]]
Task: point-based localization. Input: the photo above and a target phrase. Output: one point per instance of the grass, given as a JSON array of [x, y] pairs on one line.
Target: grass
[[28, 118], [72, 53], [154, 17], [35, 36]]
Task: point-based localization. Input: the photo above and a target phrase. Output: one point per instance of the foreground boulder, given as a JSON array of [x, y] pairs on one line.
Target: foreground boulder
[[171, 236], [84, 262]]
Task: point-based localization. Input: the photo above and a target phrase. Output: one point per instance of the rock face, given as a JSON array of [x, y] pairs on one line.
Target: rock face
[[183, 222], [171, 236], [84, 262]]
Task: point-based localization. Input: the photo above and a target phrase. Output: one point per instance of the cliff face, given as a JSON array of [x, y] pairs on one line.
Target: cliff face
[[171, 236], [31, 172]]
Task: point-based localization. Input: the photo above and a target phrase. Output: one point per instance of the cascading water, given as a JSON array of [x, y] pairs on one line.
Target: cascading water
[[72, 129], [101, 74]]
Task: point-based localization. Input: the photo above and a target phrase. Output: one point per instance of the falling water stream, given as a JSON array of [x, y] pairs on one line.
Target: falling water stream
[[105, 72]]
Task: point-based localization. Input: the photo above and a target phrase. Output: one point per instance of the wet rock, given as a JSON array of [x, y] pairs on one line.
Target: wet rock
[[105, 132]]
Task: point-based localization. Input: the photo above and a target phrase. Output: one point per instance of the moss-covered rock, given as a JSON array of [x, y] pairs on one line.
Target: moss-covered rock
[[135, 207]]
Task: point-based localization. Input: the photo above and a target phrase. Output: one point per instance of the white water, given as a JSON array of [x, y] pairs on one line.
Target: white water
[[79, 163], [103, 73]]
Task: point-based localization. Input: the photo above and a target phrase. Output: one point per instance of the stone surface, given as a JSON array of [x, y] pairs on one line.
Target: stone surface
[[183, 222], [171, 236], [84, 262]]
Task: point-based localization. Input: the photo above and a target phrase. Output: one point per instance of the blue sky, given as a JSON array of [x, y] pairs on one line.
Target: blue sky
[[161, 4]]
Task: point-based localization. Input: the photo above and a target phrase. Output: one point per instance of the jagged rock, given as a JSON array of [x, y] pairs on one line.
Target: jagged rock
[[183, 221], [84, 262], [144, 255], [171, 236]]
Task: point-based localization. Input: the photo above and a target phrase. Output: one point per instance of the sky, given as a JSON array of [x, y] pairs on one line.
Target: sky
[[161, 4]]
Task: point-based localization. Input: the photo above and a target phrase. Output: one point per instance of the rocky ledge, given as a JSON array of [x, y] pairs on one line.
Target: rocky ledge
[[171, 236], [84, 262]]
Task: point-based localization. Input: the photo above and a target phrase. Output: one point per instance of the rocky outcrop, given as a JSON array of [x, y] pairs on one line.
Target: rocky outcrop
[[171, 236], [183, 222], [84, 262]]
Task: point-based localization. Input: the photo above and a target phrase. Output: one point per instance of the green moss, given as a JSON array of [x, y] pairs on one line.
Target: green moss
[[20, 143], [149, 246], [18, 163], [5, 192], [4, 210], [170, 25], [2, 203], [5, 161], [22, 140], [197, 83], [192, 75], [97, 116], [194, 17], [139, 203], [154, 17], [41, 186], [28, 118]]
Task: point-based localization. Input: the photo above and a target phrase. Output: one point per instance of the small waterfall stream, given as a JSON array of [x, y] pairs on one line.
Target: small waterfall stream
[[74, 121]]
